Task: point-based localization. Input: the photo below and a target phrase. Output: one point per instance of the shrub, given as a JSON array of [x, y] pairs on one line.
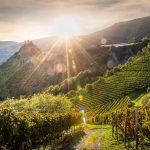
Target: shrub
[[23, 130], [148, 89], [89, 87], [42, 103]]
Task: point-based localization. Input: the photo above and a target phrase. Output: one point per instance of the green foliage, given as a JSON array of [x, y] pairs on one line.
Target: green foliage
[[148, 89], [109, 142], [71, 94], [89, 88], [42, 103], [130, 59], [124, 120], [114, 70], [54, 89], [21, 129], [93, 137]]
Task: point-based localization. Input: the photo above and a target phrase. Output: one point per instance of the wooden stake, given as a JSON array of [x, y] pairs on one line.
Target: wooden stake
[[136, 127]]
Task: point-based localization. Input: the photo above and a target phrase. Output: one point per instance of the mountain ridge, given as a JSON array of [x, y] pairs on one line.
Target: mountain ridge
[[95, 38]]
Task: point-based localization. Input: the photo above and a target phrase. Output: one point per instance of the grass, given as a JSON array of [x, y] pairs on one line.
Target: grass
[[92, 126], [107, 142], [93, 137], [143, 97]]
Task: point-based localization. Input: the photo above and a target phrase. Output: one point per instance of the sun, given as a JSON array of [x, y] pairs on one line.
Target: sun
[[65, 27]]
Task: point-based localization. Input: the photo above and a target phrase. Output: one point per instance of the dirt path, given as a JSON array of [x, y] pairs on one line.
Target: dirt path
[[96, 145]]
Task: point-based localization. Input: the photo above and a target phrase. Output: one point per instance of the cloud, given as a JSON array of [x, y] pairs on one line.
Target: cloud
[[20, 16], [11, 3]]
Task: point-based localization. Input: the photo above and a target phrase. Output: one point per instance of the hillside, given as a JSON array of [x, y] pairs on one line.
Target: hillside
[[112, 57], [124, 31], [74, 74], [121, 32], [28, 71], [7, 49], [118, 87], [43, 118], [31, 70]]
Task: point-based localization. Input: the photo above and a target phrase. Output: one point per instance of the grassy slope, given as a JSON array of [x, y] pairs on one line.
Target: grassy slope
[[143, 97], [107, 142]]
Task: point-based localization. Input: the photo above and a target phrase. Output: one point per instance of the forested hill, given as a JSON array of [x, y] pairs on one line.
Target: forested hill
[[31, 70], [24, 73], [118, 87], [112, 57]]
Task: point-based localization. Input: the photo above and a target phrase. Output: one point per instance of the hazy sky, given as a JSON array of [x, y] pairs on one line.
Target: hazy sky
[[30, 19]]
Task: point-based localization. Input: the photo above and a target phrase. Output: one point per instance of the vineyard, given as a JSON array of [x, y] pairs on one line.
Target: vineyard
[[97, 68], [74, 75], [26, 130], [132, 125], [107, 101], [112, 91], [45, 120]]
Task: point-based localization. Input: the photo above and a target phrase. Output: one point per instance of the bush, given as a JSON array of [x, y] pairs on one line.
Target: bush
[[148, 89], [42, 103], [23, 130], [89, 87], [71, 93]]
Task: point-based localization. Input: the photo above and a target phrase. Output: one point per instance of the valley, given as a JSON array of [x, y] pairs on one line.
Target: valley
[[85, 92]]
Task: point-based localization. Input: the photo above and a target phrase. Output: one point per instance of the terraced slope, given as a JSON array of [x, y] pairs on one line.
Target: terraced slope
[[112, 91], [104, 59]]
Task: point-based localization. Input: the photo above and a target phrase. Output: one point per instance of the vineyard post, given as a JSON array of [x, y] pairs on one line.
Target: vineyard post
[[112, 124], [117, 127], [125, 130], [136, 127]]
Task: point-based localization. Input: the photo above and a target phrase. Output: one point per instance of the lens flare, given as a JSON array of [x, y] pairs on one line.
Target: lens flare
[[84, 119], [103, 41]]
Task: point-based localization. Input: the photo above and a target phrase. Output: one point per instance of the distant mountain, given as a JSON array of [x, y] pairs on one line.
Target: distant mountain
[[122, 32], [15, 71], [7, 49], [45, 43]]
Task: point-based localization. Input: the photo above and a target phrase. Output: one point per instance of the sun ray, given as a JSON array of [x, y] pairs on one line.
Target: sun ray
[[85, 53], [18, 69], [41, 62], [67, 59]]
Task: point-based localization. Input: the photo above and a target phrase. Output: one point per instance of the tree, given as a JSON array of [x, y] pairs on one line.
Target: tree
[[148, 89], [89, 87]]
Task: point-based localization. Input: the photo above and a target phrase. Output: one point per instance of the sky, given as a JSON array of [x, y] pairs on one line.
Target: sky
[[31, 19]]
